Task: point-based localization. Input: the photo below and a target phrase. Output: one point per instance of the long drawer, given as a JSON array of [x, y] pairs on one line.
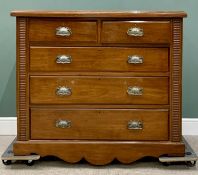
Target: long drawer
[[136, 32], [98, 90], [95, 59], [62, 30], [109, 124]]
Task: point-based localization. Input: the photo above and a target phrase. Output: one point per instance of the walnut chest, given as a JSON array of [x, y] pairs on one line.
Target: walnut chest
[[99, 85]]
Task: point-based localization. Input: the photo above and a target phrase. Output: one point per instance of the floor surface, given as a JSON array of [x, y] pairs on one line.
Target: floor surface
[[58, 167]]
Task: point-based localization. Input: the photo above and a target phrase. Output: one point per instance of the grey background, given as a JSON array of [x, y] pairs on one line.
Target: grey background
[[7, 41]]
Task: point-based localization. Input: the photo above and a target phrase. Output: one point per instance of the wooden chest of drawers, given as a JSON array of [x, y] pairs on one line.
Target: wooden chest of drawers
[[99, 85]]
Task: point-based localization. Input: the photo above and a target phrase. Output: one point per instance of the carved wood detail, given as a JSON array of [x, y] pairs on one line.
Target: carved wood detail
[[97, 152], [176, 81], [22, 91]]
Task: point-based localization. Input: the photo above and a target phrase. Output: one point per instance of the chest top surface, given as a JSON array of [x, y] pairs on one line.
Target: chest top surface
[[116, 14]]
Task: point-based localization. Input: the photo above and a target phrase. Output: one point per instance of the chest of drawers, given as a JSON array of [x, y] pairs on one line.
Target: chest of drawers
[[99, 85]]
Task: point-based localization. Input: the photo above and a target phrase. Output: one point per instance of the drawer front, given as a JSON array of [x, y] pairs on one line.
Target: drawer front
[[62, 30], [98, 59], [98, 90], [99, 124], [136, 32]]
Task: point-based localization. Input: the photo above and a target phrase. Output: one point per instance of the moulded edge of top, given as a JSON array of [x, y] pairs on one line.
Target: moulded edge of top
[[102, 14]]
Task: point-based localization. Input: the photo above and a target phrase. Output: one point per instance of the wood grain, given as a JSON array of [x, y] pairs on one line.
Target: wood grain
[[102, 74], [154, 32], [97, 44], [99, 59], [45, 30], [99, 124], [99, 152], [102, 14], [106, 106], [99, 75], [98, 90]]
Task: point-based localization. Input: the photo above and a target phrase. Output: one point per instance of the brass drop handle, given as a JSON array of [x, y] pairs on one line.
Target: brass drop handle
[[63, 59], [135, 90], [63, 91], [135, 125], [135, 59], [63, 123], [135, 31], [63, 31]]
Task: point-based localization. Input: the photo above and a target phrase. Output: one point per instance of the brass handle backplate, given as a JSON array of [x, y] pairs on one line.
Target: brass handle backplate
[[135, 31], [135, 90], [63, 59], [63, 91], [135, 59], [135, 124], [63, 123], [63, 31]]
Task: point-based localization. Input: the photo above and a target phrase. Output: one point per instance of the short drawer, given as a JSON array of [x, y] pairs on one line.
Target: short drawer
[[109, 124], [62, 30], [136, 32], [98, 90], [101, 59]]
